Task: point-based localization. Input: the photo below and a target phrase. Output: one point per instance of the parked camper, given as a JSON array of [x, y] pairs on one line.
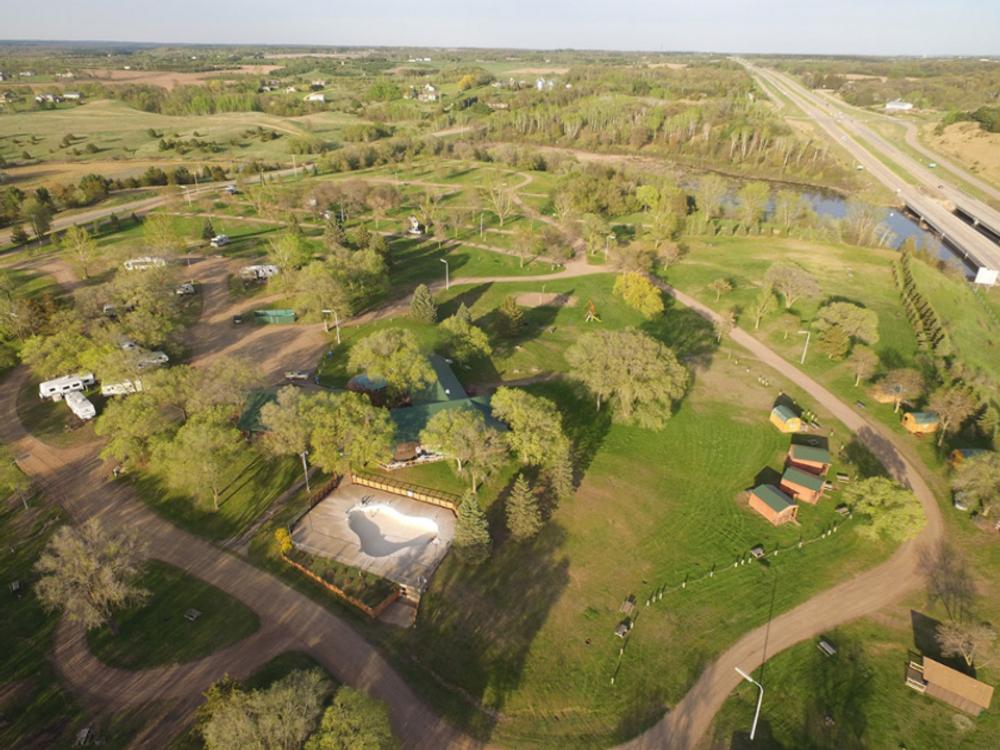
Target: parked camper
[[80, 405], [152, 359], [146, 261], [121, 389], [259, 272], [185, 289], [56, 389], [219, 240]]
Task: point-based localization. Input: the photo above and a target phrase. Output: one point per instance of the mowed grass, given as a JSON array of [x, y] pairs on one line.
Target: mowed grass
[[862, 691], [156, 631], [251, 486]]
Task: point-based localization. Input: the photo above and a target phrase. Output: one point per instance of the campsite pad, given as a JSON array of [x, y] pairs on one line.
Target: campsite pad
[[545, 299]]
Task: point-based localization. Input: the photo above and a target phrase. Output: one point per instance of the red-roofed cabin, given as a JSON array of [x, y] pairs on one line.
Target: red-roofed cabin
[[802, 485], [773, 504], [809, 458]]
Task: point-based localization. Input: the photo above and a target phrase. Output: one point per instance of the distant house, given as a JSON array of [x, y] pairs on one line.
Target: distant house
[[921, 422], [898, 105], [809, 458], [48, 98], [773, 504], [960, 455], [428, 93], [802, 485], [319, 97], [785, 419], [934, 679]]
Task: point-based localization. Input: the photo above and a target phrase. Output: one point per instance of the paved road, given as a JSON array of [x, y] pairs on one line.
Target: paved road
[[687, 722], [932, 199]]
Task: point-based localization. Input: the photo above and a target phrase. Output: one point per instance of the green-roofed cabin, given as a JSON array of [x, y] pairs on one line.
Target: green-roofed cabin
[[446, 386], [410, 421], [809, 458], [921, 422], [785, 419], [773, 504], [802, 485]]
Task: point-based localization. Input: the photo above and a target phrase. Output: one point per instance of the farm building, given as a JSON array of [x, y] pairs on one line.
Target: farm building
[[959, 690], [809, 458], [921, 422], [773, 504], [802, 485], [963, 454], [785, 419]]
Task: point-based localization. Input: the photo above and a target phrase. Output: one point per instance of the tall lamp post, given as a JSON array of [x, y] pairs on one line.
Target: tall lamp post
[[805, 348], [760, 699], [447, 280]]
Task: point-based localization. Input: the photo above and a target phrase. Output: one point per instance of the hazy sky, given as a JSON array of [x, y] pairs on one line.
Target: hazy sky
[[931, 27]]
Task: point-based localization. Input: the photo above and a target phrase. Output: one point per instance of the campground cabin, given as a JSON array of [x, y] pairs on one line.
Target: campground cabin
[[809, 458], [144, 262], [80, 405], [773, 504], [802, 485], [121, 389], [960, 455], [58, 388], [934, 679], [785, 419], [921, 422]]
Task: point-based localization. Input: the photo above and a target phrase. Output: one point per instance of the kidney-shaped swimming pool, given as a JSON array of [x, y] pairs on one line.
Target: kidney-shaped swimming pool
[[382, 530]]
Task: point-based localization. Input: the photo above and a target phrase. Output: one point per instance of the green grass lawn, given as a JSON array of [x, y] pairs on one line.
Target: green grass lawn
[[253, 484], [855, 699], [156, 632]]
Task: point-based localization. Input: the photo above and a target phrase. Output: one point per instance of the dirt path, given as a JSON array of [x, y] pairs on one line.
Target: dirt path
[[687, 722]]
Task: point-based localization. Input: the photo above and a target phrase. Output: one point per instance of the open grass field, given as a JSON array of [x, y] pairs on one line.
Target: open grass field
[[156, 632], [252, 485], [856, 698]]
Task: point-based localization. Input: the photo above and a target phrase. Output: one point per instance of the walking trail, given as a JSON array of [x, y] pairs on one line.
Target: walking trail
[[78, 480]]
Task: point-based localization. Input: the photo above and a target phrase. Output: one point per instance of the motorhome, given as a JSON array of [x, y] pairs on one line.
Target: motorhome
[[80, 405], [146, 261], [259, 272], [121, 389], [59, 387]]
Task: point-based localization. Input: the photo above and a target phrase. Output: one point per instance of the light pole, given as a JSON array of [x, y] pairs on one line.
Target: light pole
[[336, 321], [447, 280], [805, 348], [760, 699], [305, 468], [607, 245]]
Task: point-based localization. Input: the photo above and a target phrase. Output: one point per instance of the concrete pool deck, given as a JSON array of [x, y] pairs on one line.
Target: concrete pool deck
[[392, 536]]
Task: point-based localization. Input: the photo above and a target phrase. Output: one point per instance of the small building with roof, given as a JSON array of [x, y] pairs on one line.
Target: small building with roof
[[960, 455], [921, 422], [934, 679], [802, 485], [785, 419], [773, 504], [811, 458]]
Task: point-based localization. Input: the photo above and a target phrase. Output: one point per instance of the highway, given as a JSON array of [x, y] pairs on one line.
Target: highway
[[933, 199]]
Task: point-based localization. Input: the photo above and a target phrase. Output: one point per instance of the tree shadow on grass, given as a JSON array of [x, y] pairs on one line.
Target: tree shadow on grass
[[840, 689], [478, 622], [866, 462], [691, 336], [468, 297]]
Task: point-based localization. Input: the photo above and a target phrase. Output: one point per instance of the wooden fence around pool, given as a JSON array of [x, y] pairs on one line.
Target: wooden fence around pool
[[423, 494]]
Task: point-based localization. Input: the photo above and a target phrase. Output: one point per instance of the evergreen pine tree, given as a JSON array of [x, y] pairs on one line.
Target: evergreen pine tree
[[524, 518], [559, 474], [463, 314], [472, 531], [207, 230], [512, 316], [422, 307], [333, 234]]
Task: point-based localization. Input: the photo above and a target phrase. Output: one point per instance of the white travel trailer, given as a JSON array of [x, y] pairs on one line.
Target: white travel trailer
[[80, 405], [121, 389], [146, 261], [259, 272], [59, 387], [152, 359]]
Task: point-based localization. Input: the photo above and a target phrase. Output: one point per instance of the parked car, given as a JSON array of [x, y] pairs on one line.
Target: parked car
[[296, 375], [237, 319], [184, 289], [219, 240]]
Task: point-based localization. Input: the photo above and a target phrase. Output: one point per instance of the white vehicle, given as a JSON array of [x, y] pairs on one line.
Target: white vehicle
[[185, 289], [110, 310], [152, 359], [231, 189], [80, 405], [146, 261], [258, 272], [121, 389], [296, 375], [127, 345], [219, 240], [58, 388]]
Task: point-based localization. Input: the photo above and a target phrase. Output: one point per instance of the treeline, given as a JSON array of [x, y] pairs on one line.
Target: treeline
[[987, 117]]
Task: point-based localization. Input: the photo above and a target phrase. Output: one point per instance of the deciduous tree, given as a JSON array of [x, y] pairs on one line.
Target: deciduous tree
[[393, 355], [792, 282], [954, 404], [89, 573], [353, 721], [288, 431], [81, 248], [639, 293], [903, 384], [465, 341], [977, 479], [720, 287], [973, 641], [463, 436], [198, 459], [347, 431], [864, 363], [892, 512]]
